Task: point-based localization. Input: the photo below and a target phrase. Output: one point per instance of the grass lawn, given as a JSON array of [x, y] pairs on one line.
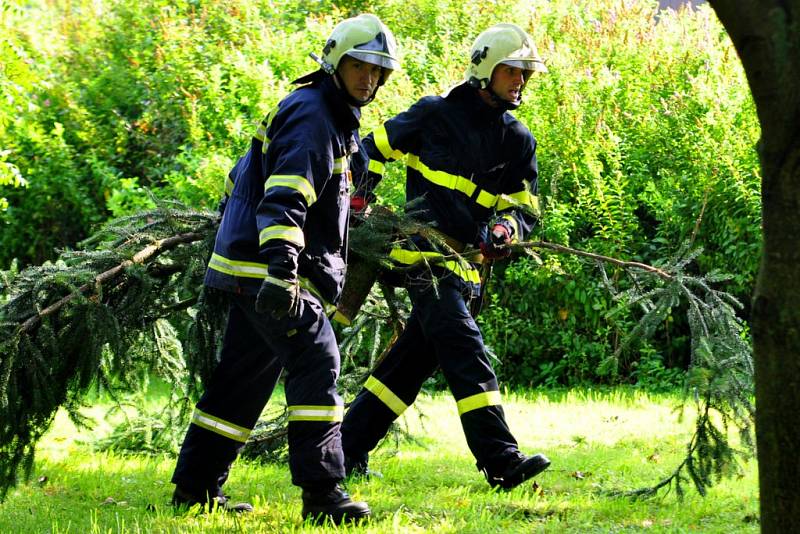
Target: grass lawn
[[598, 441]]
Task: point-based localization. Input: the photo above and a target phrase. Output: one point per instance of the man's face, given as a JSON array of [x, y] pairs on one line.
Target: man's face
[[507, 82], [360, 78]]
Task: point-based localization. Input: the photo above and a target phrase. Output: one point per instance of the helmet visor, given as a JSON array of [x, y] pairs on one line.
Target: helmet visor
[[380, 59], [531, 65]]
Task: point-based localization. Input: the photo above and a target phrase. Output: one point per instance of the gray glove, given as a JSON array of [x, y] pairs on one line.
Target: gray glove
[[279, 298]]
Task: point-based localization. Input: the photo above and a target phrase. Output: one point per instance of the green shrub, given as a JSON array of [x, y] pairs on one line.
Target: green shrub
[[645, 124]]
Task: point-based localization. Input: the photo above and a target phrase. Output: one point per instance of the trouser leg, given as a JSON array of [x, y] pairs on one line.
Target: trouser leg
[[389, 390], [229, 408], [315, 407], [452, 332]]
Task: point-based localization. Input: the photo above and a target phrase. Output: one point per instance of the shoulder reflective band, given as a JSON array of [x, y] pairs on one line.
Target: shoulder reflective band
[[461, 269], [228, 185], [377, 167], [298, 183], [481, 400], [220, 426], [452, 182], [382, 142], [261, 132], [385, 395], [341, 165], [246, 269], [292, 234], [332, 414]]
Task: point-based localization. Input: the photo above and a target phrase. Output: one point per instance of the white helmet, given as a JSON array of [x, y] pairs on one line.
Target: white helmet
[[502, 43], [365, 38]]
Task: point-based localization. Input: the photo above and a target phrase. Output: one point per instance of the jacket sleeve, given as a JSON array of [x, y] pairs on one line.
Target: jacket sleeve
[[390, 142], [518, 205], [299, 158]]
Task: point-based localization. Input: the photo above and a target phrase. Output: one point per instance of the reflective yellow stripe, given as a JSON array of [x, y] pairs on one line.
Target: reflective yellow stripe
[[247, 269], [278, 282], [261, 132], [382, 142], [220, 426], [341, 165], [228, 185], [520, 198], [461, 269], [292, 234], [377, 167], [250, 269], [298, 183], [486, 199], [377, 388], [333, 414], [480, 400], [441, 178], [513, 222]]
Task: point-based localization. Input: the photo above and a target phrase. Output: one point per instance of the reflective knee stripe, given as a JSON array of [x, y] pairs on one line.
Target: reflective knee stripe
[[382, 143], [298, 183], [461, 269], [219, 426], [331, 414], [479, 400], [385, 395], [292, 234]]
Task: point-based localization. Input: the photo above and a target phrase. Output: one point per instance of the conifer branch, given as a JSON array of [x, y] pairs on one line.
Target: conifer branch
[[145, 255]]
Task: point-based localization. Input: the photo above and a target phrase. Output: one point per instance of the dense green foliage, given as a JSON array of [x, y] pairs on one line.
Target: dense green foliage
[[645, 125]]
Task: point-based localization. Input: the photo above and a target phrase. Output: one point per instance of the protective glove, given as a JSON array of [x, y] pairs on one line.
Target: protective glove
[[493, 248], [279, 298]]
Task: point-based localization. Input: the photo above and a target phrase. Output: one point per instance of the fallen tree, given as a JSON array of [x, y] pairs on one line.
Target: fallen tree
[[122, 306]]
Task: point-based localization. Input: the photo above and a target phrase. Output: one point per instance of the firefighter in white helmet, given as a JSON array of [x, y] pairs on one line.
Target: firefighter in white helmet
[[471, 173], [279, 257]]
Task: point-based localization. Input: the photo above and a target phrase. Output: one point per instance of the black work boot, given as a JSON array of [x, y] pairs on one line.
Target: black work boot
[[331, 502], [184, 500], [517, 470], [359, 468]]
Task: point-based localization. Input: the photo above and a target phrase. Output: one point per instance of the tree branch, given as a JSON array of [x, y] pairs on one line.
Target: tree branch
[[148, 253]]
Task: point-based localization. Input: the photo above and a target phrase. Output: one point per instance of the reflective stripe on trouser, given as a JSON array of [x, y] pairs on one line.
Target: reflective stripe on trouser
[[255, 349], [439, 333]]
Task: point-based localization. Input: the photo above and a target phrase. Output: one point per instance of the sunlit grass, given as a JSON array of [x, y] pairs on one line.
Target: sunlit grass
[[598, 441]]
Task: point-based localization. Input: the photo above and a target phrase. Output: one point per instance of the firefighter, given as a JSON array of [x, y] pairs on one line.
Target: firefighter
[[471, 173], [280, 256]]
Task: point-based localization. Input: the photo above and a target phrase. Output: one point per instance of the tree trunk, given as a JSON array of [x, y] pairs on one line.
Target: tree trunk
[[766, 34]]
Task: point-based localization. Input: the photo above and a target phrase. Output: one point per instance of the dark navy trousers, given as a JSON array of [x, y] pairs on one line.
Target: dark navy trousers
[[440, 333], [256, 349]]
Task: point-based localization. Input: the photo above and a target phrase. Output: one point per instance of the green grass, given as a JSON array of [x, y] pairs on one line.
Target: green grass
[[598, 441]]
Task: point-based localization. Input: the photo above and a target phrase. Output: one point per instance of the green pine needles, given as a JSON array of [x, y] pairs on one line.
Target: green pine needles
[[97, 317], [130, 304]]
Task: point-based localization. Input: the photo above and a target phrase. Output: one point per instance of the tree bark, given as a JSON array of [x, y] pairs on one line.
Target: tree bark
[[766, 34]]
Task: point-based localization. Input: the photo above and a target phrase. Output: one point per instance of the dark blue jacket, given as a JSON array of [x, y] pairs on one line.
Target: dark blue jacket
[[468, 165], [287, 200]]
